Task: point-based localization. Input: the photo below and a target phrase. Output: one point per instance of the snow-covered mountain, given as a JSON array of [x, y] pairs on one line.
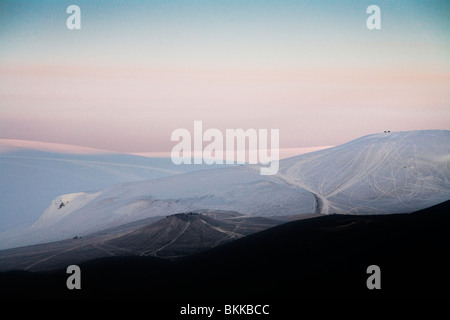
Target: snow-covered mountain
[[240, 189], [380, 173], [33, 173]]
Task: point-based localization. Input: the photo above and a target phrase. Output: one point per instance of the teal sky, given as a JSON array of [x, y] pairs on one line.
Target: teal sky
[[292, 65], [225, 33]]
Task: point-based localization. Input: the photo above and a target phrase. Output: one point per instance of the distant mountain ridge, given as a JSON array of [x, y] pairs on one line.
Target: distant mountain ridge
[[33, 173]]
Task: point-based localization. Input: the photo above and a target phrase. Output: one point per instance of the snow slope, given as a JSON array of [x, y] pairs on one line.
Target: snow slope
[[33, 173], [239, 189], [380, 173]]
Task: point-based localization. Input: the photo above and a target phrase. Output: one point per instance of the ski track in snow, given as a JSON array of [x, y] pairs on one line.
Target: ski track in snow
[[404, 182]]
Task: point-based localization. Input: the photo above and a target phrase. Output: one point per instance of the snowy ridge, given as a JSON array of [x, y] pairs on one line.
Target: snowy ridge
[[380, 173], [235, 188], [59, 169]]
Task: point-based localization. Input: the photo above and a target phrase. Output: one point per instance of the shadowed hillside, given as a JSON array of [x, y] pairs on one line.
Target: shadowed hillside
[[172, 236], [323, 257]]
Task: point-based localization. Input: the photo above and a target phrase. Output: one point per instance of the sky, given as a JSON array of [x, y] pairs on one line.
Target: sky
[[138, 70]]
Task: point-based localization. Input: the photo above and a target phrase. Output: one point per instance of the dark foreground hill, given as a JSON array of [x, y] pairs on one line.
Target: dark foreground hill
[[325, 257], [164, 237], [187, 233]]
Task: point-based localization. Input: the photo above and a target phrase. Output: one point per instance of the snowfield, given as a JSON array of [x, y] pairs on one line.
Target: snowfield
[[32, 174], [380, 173], [239, 189]]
